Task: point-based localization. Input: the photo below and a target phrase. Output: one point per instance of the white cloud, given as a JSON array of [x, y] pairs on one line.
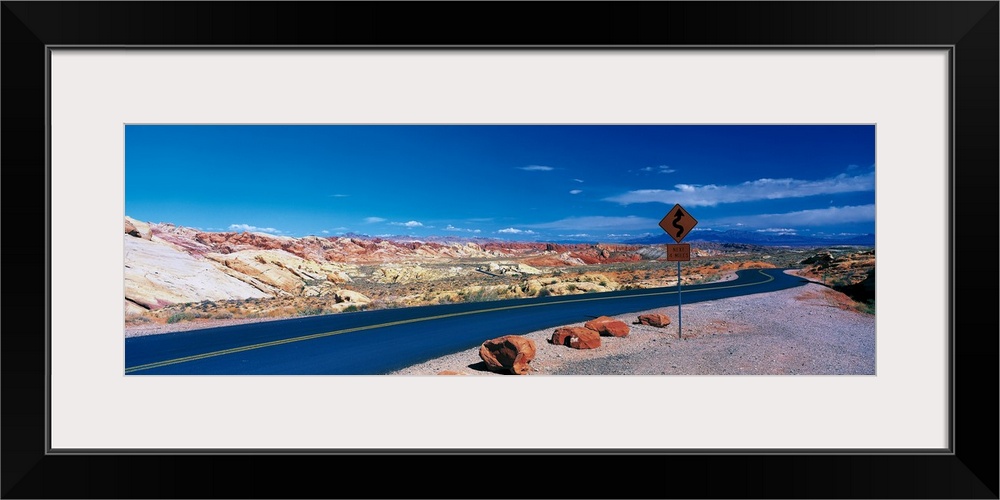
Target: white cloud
[[576, 191], [536, 168], [449, 227], [578, 180], [761, 189], [253, 229], [325, 231], [803, 218], [371, 220], [511, 230], [663, 169], [411, 223], [339, 195], [598, 223]]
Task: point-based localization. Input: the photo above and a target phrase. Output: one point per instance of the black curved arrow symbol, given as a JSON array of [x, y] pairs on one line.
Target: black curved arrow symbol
[[677, 217]]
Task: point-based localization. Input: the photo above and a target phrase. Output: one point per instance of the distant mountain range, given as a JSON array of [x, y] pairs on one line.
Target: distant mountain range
[[759, 238], [707, 236]]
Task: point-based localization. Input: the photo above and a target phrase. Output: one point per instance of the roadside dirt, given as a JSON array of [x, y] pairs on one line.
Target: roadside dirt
[[808, 330]]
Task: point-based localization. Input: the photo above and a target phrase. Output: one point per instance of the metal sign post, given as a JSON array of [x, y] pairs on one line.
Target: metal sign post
[[678, 223], [679, 253], [679, 301]]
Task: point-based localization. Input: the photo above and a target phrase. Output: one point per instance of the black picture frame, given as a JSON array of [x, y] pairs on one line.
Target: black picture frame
[[969, 28]]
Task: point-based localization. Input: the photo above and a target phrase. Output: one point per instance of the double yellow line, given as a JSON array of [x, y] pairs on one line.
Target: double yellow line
[[272, 343]]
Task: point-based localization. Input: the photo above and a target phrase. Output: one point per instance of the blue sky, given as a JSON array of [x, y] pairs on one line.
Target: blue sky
[[588, 183]]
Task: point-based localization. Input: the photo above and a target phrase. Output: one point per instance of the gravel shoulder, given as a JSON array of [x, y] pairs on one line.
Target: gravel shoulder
[[807, 330], [143, 329]]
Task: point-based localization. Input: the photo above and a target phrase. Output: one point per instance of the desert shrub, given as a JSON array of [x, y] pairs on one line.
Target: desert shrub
[[571, 287], [482, 295], [380, 303], [282, 312], [867, 307], [351, 308], [223, 315], [544, 292], [182, 316], [310, 311], [446, 299]]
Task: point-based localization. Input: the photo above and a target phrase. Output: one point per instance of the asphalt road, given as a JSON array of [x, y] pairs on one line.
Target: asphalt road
[[378, 342]]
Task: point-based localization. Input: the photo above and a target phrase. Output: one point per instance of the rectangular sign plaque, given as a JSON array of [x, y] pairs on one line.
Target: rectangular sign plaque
[[679, 253]]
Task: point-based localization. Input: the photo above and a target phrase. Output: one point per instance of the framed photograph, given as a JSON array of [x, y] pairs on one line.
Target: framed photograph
[[854, 120]]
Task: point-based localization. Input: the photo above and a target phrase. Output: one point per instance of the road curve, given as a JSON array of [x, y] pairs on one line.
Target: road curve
[[381, 341]]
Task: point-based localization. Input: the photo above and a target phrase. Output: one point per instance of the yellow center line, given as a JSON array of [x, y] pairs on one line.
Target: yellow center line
[[272, 343]]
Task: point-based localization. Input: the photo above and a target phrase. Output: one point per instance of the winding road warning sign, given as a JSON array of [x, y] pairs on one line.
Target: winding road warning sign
[[678, 223]]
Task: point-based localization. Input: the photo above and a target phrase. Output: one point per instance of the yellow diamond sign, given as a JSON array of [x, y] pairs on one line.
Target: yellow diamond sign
[[678, 223]]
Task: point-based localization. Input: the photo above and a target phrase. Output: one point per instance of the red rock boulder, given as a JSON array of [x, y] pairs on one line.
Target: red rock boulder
[[608, 327], [657, 320], [576, 337], [509, 354]]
